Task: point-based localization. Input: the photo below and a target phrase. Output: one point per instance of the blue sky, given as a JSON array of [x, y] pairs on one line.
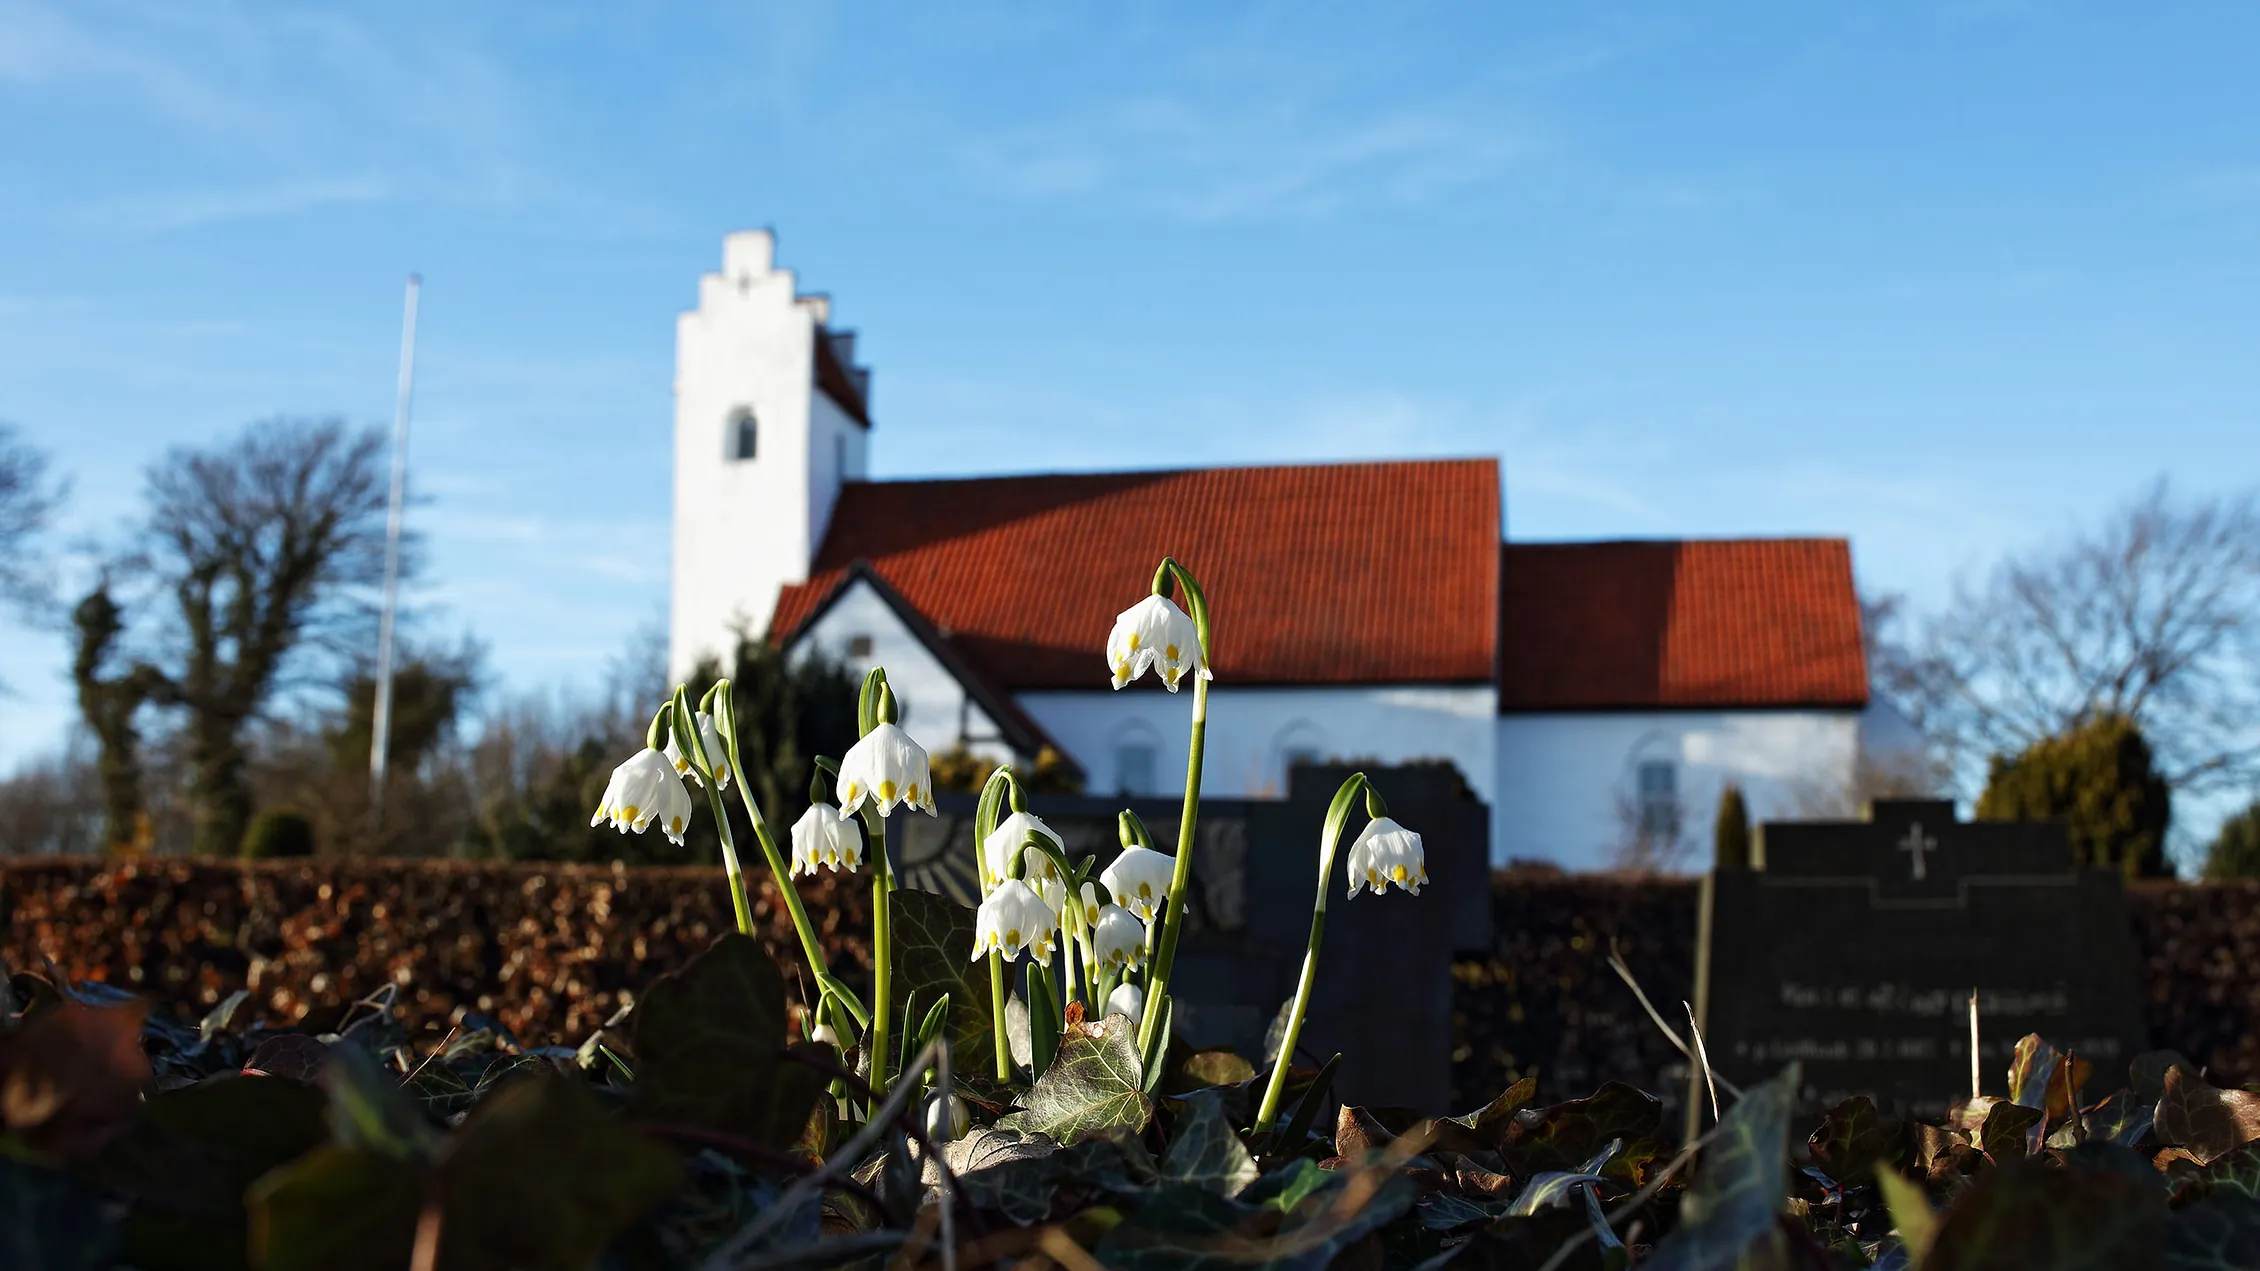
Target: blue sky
[[1946, 278]]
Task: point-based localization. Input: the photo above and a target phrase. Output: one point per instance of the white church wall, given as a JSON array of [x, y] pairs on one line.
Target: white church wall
[[862, 631], [743, 528], [1254, 732], [1568, 782]]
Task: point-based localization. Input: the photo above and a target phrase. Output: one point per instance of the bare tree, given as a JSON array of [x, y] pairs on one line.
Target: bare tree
[[2154, 614], [28, 499], [264, 545]]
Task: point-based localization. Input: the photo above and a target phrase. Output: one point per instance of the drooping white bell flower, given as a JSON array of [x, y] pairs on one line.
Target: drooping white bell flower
[[1118, 938], [1139, 880], [947, 1120], [1384, 853], [1085, 912], [1127, 999], [709, 740], [1155, 633], [1013, 918], [826, 836], [1006, 843], [643, 791], [886, 769]]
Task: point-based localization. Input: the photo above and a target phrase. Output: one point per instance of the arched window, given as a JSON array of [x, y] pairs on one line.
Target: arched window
[[741, 435], [1137, 758]]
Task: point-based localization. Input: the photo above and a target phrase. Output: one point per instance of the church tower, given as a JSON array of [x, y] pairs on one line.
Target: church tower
[[771, 415]]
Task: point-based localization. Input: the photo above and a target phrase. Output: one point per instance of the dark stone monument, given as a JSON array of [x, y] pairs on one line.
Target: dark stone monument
[[1853, 947], [1385, 972]]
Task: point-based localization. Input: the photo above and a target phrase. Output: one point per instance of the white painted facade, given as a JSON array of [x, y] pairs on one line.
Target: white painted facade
[[745, 527], [1255, 733], [861, 630], [1571, 788]]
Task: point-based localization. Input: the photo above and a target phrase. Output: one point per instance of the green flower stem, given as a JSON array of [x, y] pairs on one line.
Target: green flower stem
[[882, 953], [1329, 839], [993, 795], [810, 947], [1181, 876], [683, 724], [1003, 1040]]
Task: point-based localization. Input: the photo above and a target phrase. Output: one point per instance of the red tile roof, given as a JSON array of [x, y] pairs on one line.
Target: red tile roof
[[1746, 622], [1321, 574]]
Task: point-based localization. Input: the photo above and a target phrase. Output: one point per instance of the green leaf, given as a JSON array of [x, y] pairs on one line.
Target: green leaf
[[51, 1221], [1911, 1214], [933, 955], [1285, 1189], [1739, 1185], [1854, 1138], [191, 1158], [1018, 1176], [1566, 1135], [710, 1045], [1209, 1068], [1308, 1108], [368, 1110], [1092, 1085], [2218, 1233], [2125, 1118], [1549, 1190], [1485, 1129], [339, 1209], [2237, 1172], [2032, 1069], [539, 1175], [1207, 1152], [2033, 1216], [2011, 1132], [2206, 1122]]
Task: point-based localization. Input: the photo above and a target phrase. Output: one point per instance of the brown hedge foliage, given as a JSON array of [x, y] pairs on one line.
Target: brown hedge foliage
[[550, 950], [554, 950]]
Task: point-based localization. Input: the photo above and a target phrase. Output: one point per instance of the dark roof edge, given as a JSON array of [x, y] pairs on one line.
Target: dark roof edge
[[834, 381], [1019, 729]]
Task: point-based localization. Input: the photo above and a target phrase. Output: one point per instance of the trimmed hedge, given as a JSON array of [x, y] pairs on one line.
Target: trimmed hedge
[[554, 950]]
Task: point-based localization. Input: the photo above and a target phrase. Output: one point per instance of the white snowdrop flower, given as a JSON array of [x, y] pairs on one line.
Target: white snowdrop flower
[[1139, 880], [1013, 918], [947, 1120], [709, 740], [1127, 999], [826, 836], [1155, 633], [1085, 912], [886, 769], [642, 791], [823, 1035], [1006, 843], [1384, 853], [1118, 938]]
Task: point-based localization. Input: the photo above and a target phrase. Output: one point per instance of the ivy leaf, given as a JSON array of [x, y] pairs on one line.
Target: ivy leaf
[[189, 1160], [539, 1175], [1911, 1215], [1549, 1190], [1186, 1228], [2010, 1132], [2125, 1118], [1207, 1152], [2237, 1172], [2206, 1122], [933, 955], [710, 1045], [1854, 1138], [1738, 1187], [1204, 1068], [1566, 1135], [1093, 1084], [1485, 1129], [2218, 1233], [2036, 1216]]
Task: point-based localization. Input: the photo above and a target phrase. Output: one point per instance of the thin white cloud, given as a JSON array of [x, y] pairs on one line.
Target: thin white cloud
[[192, 209]]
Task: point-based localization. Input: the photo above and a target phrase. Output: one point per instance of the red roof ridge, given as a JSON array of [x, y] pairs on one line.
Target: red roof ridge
[[1103, 473]]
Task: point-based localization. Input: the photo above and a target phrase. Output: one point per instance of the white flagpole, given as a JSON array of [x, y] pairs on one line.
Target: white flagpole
[[381, 722]]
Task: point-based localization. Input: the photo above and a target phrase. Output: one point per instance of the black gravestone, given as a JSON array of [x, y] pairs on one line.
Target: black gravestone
[[1853, 947]]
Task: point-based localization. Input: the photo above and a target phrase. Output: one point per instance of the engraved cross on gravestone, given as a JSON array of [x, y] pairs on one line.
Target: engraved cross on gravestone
[[1852, 946]]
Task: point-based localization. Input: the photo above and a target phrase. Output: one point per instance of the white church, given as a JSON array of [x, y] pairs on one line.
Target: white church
[[1594, 694]]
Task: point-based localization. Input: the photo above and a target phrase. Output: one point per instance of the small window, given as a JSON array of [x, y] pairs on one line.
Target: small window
[[1659, 800], [1134, 765], [743, 435], [859, 645], [839, 457]]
